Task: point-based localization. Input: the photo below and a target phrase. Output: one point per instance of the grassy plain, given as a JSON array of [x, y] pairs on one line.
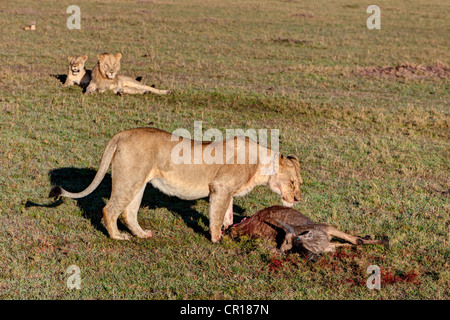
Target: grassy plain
[[374, 149]]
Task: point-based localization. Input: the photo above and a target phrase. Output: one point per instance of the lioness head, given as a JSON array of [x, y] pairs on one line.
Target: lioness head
[[287, 180], [77, 63], [109, 64]]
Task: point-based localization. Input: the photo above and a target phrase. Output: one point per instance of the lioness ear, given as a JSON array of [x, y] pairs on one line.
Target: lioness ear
[[84, 57], [69, 58], [283, 161], [292, 156], [100, 56], [118, 56]]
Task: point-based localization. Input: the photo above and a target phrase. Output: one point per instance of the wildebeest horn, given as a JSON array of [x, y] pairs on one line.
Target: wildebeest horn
[[285, 226]]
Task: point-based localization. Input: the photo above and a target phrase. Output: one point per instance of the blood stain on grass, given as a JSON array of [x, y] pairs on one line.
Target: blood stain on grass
[[387, 277]]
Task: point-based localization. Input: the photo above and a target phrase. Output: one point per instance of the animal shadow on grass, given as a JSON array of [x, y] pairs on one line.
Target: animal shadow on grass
[[61, 77], [77, 179]]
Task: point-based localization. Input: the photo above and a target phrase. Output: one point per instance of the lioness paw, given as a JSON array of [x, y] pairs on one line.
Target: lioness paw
[[216, 238], [121, 236], [146, 234]]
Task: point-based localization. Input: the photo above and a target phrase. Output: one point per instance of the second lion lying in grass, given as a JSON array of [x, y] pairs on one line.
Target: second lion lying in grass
[[293, 230], [105, 77], [77, 72]]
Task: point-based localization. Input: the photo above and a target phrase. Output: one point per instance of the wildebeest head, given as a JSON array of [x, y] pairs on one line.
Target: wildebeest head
[[307, 239]]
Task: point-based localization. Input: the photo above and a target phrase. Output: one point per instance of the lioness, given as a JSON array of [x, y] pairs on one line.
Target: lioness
[[143, 155], [105, 77], [77, 72]]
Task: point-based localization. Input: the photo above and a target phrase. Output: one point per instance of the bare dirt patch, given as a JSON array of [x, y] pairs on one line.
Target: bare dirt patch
[[290, 41], [304, 15], [408, 70]]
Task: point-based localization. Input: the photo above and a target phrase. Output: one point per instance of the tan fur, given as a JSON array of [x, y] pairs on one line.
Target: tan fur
[[144, 155], [32, 26], [77, 72], [105, 77]]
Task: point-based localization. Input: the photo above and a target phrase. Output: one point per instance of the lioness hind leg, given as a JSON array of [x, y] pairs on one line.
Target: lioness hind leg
[[129, 90], [110, 215], [121, 197], [129, 217], [128, 84], [157, 91]]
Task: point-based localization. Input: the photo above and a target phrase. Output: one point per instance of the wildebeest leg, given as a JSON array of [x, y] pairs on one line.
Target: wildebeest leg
[[332, 246], [332, 231]]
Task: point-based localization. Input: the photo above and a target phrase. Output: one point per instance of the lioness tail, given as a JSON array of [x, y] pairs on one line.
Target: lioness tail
[[102, 169]]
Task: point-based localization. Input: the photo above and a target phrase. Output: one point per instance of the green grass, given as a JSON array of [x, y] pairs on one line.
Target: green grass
[[374, 151]]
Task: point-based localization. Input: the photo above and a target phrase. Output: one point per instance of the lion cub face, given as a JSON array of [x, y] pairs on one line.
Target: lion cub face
[[286, 182], [77, 64], [109, 65]]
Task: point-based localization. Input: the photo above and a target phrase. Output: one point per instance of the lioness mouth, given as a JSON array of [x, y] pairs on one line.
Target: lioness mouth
[[287, 203]]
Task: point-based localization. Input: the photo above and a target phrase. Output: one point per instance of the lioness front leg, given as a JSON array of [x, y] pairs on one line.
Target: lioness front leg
[[90, 88], [68, 83], [219, 201], [228, 220]]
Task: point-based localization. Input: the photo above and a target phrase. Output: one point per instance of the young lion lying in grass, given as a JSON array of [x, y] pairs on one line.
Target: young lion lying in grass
[[77, 72], [105, 77]]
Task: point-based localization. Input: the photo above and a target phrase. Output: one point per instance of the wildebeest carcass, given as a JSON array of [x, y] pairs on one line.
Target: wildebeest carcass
[[292, 230]]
